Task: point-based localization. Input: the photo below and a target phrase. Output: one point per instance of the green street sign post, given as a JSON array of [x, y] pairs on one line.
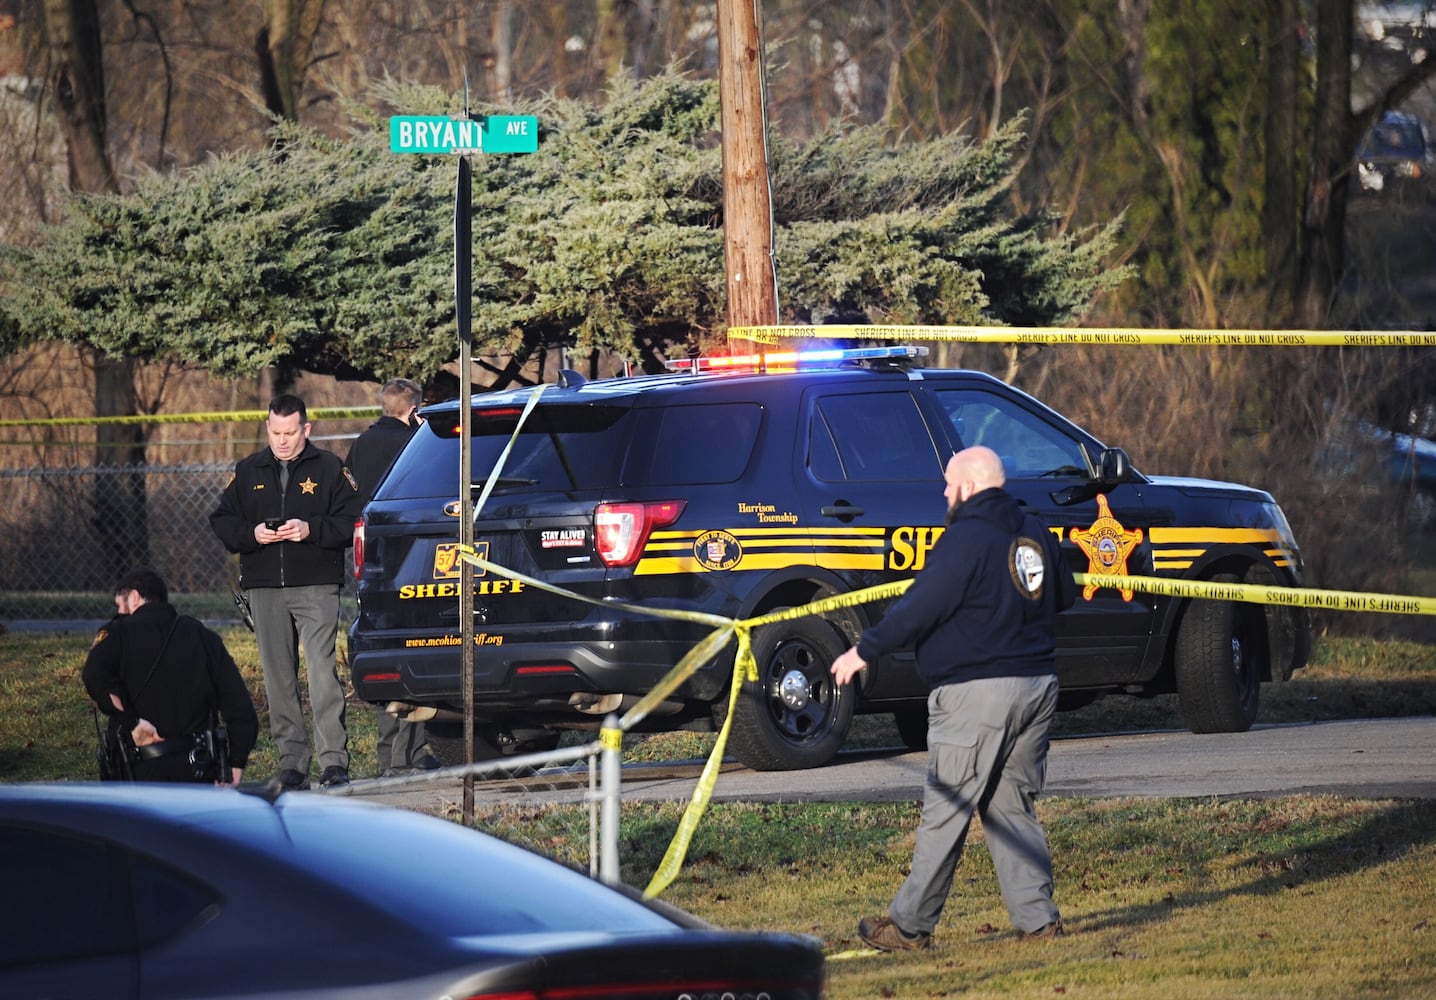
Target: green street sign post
[[441, 134], [462, 136]]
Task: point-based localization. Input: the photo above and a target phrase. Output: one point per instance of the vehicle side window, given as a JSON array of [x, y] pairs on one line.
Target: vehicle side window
[[880, 437], [1029, 447], [692, 445], [168, 901], [84, 897], [823, 459], [70, 897]]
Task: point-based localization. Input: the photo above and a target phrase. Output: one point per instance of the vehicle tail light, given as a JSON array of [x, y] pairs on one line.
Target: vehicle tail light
[[620, 530], [358, 548]]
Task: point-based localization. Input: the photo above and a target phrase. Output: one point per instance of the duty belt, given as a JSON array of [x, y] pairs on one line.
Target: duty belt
[[166, 747]]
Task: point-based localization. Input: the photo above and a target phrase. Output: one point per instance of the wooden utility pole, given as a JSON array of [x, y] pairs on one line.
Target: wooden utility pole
[[747, 197]]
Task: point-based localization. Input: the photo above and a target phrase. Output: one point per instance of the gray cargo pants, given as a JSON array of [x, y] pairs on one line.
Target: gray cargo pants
[[284, 619], [987, 752], [400, 744]]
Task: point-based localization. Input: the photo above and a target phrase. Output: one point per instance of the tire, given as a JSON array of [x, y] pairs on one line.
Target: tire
[[1218, 668], [912, 727], [794, 717]]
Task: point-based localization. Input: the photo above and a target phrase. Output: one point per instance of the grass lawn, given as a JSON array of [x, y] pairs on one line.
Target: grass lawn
[[1166, 899]]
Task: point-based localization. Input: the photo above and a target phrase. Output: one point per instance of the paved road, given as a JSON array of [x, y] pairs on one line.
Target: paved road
[[1369, 758]]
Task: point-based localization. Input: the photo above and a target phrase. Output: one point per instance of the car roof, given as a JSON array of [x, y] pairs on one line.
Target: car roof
[[629, 388], [300, 833], [172, 804]]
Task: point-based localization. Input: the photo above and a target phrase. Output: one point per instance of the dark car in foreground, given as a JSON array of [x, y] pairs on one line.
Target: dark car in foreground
[[747, 486], [142, 892]]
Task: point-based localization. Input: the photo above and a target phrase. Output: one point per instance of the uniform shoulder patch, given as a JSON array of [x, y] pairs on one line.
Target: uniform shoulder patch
[[1028, 567], [350, 477]]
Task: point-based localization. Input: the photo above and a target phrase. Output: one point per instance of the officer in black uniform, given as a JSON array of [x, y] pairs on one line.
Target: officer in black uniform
[[162, 676], [289, 513], [401, 746]]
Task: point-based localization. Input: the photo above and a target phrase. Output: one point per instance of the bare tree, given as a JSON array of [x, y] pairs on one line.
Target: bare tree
[[1337, 131], [285, 50], [78, 81], [77, 77], [501, 45]]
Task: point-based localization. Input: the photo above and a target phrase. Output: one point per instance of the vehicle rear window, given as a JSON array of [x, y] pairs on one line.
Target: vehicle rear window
[[690, 445], [559, 448]]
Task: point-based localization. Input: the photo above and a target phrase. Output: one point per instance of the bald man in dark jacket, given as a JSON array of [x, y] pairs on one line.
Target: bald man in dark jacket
[[981, 618]]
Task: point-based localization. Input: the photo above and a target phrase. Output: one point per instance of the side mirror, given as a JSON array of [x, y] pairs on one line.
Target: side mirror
[[1113, 467]]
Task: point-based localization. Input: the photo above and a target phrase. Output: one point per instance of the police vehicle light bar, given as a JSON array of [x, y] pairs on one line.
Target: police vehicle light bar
[[792, 359]]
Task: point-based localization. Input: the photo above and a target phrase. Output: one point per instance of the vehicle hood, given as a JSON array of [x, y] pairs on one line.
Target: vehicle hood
[[1211, 487]]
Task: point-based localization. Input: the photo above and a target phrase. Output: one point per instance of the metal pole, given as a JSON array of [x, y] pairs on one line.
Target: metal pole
[[593, 814], [463, 294], [612, 781]]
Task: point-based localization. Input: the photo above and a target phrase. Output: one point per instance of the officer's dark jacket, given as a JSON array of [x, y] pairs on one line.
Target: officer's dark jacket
[[194, 675], [373, 452], [320, 490], [984, 603]]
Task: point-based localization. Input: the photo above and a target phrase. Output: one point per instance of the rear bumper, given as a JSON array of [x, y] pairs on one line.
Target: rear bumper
[[512, 675]]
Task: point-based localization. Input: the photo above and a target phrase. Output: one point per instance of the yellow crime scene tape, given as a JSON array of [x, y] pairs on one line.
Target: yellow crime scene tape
[[230, 417], [1252, 593], [744, 666], [1085, 335]]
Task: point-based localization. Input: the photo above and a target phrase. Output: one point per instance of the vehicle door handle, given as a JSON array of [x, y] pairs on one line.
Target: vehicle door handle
[[842, 511]]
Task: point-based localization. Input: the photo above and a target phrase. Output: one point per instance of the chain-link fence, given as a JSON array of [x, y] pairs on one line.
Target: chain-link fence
[[67, 534]]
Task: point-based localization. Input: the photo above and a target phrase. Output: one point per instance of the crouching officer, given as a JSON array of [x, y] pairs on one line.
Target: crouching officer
[[168, 681]]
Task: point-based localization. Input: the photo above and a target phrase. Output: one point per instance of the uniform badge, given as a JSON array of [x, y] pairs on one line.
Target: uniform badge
[[1107, 545], [309, 485]]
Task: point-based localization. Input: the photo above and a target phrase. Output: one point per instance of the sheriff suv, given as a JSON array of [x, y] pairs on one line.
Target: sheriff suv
[[737, 492]]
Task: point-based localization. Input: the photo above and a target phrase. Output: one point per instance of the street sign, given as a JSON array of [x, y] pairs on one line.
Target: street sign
[[441, 134], [510, 134]]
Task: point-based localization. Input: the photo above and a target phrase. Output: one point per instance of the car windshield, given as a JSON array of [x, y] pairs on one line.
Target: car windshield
[[449, 878]]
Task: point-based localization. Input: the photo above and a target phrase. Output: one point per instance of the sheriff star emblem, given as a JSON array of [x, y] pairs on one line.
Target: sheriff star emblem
[[308, 485], [1107, 545]]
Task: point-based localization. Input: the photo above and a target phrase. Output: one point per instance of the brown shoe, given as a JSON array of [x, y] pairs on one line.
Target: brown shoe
[[1047, 933], [884, 935]]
